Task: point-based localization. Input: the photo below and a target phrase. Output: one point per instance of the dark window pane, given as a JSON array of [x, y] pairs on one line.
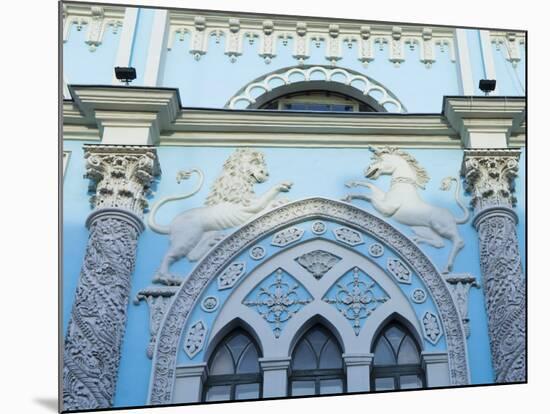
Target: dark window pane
[[304, 358], [332, 386], [331, 356], [237, 344], [408, 382], [408, 353], [222, 362], [382, 384], [383, 355], [247, 391], [249, 361], [394, 335], [219, 393], [317, 338], [303, 388]]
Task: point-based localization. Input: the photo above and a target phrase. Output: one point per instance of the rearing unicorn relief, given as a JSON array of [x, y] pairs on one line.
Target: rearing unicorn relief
[[431, 224]]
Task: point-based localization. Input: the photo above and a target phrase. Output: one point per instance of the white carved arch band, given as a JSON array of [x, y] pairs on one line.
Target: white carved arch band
[[366, 87], [169, 336]]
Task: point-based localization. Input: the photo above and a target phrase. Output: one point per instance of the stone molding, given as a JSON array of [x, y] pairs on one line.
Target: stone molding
[[509, 44], [307, 74], [97, 19], [269, 33], [215, 127], [162, 374], [146, 111], [352, 360], [484, 122], [433, 358], [275, 364], [196, 370]]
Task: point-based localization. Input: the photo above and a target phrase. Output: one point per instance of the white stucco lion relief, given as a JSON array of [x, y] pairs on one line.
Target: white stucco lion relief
[[230, 203], [431, 224]]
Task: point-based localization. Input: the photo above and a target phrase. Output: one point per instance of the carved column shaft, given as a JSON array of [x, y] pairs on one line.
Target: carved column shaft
[[121, 177], [489, 176]]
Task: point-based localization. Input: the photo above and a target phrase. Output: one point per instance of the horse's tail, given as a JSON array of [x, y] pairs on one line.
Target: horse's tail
[[446, 186], [181, 175]]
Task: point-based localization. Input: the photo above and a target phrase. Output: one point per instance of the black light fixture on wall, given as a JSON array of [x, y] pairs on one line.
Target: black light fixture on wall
[[487, 85], [125, 75]]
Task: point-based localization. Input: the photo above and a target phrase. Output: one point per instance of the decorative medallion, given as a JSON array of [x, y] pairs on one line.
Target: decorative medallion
[[318, 262], [277, 299], [356, 296], [418, 296], [194, 340], [348, 236], [398, 269], [230, 275], [257, 252], [287, 236], [376, 250], [210, 304], [431, 327], [318, 227]]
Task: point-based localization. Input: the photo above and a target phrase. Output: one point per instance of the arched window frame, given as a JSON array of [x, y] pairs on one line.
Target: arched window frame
[[396, 371], [233, 380], [319, 374]]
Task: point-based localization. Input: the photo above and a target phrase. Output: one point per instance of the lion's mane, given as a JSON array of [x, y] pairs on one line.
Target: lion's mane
[[235, 183]]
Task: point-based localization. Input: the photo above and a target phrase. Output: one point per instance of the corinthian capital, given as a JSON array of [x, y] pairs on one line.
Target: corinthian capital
[[120, 176], [489, 176]]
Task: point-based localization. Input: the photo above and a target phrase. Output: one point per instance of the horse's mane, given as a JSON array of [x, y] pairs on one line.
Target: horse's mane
[[422, 176]]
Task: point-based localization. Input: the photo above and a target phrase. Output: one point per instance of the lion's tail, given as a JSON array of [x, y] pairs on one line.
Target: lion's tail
[[153, 225], [445, 186]]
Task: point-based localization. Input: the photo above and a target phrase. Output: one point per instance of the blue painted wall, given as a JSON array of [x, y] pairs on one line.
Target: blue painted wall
[[81, 66], [213, 80], [333, 168]]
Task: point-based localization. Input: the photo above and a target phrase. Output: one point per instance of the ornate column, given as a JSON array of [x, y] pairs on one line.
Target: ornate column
[[120, 179], [489, 176]]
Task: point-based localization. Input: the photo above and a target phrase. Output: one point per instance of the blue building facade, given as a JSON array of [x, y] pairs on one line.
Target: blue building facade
[[281, 206]]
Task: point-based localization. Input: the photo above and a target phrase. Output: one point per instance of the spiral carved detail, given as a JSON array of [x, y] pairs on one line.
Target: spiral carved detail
[[504, 288], [98, 319]]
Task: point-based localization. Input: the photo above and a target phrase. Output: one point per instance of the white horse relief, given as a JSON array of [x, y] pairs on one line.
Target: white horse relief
[[402, 202]]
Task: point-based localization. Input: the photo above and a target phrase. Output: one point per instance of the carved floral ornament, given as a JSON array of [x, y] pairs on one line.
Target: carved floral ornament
[[334, 37], [217, 260], [489, 176], [120, 177]]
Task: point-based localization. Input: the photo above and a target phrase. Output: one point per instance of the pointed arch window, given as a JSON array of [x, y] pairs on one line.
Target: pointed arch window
[[317, 366], [233, 369], [396, 364]]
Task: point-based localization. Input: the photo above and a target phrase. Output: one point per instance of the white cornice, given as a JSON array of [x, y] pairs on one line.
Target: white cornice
[[486, 122], [157, 111], [144, 111]]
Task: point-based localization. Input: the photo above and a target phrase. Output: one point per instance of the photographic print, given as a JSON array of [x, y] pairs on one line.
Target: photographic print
[[261, 206]]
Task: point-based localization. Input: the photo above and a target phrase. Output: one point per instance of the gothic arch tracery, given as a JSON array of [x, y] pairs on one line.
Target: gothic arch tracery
[[277, 222]]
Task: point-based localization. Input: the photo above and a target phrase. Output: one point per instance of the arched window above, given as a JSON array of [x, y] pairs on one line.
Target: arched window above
[[396, 362], [317, 366], [233, 370], [319, 101]]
